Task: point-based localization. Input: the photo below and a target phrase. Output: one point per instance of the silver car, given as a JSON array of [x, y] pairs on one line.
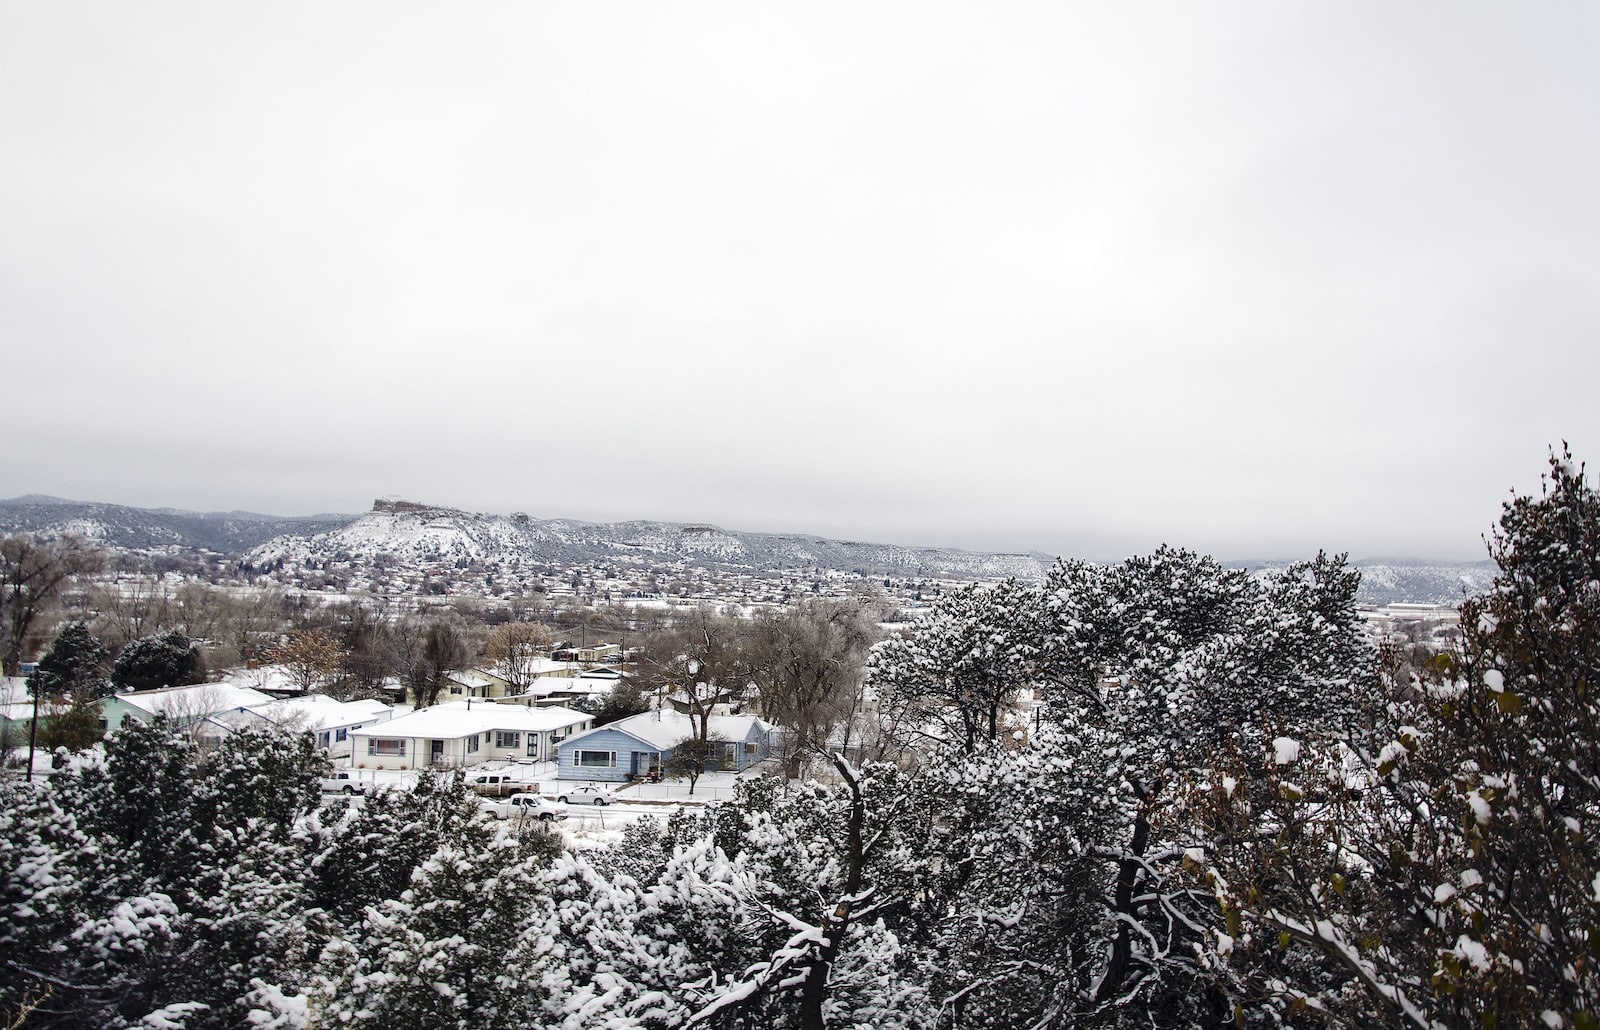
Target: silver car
[[588, 794]]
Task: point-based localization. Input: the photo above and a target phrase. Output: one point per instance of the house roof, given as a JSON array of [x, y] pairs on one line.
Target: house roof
[[546, 666], [318, 711], [16, 704], [460, 719], [267, 678], [200, 699], [666, 729]]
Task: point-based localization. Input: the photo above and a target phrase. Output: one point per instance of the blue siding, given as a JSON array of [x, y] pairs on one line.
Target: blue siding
[[631, 754], [602, 739], [762, 739]]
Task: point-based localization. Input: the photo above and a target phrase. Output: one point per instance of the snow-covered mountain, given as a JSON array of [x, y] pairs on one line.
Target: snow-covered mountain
[[1392, 581], [424, 535], [421, 537], [116, 525]]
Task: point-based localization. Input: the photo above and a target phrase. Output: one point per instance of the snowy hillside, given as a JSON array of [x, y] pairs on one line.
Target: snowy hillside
[[425, 537], [421, 535], [117, 525], [1391, 581]]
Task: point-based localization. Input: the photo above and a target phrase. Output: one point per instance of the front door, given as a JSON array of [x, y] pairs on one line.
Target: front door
[[435, 751]]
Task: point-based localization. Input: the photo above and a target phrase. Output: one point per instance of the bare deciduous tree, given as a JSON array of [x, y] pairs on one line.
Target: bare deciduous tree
[[427, 649], [33, 573], [252, 622], [808, 662], [130, 608], [515, 649]]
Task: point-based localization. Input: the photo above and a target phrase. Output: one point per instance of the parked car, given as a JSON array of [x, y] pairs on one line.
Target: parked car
[[588, 794], [342, 781], [497, 785], [524, 806]]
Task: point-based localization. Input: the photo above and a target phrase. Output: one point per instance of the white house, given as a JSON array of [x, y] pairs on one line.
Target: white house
[[466, 733], [182, 706], [330, 722], [491, 684], [595, 685]]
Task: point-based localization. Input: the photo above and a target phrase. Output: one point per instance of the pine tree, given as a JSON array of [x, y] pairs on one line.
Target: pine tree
[[74, 666], [167, 660], [1444, 867]]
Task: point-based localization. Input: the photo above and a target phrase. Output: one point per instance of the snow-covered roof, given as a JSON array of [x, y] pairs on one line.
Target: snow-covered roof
[[566, 686], [667, 728], [317, 711], [16, 704], [198, 700], [546, 666], [273, 678], [460, 719]]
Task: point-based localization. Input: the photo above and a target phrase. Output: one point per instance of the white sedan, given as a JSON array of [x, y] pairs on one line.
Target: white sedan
[[588, 794]]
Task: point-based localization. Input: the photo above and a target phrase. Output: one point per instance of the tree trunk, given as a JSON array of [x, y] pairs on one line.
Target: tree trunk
[[815, 991], [1127, 876]]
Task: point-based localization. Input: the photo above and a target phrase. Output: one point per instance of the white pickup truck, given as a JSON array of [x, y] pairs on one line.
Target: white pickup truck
[[342, 781], [523, 806]]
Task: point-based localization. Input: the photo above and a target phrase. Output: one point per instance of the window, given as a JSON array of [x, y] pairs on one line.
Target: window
[[595, 759], [381, 746], [472, 743], [455, 690], [324, 739], [503, 739], [342, 734], [750, 747]]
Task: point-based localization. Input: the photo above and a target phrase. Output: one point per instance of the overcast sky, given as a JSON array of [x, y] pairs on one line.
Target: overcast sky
[[1255, 279]]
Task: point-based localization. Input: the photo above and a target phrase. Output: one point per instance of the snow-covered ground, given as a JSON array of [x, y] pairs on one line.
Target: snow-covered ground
[[712, 786]]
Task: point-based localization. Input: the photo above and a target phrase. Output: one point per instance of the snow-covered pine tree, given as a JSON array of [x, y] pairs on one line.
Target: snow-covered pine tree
[[56, 880], [1447, 871], [956, 674], [76, 666], [833, 870], [1063, 907], [1519, 739], [435, 957]]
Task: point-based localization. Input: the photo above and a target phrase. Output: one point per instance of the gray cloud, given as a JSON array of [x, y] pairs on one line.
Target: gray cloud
[[1251, 279]]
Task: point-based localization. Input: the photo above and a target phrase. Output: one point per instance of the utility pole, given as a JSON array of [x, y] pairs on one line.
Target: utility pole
[[33, 726]]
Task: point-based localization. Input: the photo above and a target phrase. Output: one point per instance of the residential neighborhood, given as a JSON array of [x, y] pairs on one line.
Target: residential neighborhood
[[479, 721]]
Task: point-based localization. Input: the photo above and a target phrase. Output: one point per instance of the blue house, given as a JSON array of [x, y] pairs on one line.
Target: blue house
[[640, 744]]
